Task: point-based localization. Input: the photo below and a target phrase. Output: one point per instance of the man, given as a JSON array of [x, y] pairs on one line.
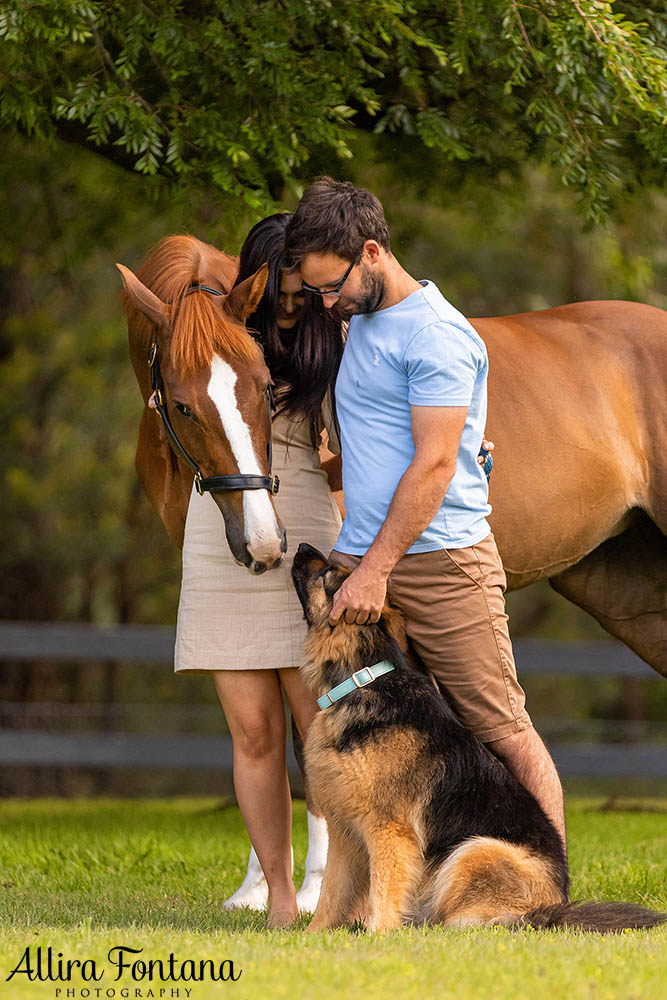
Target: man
[[411, 403]]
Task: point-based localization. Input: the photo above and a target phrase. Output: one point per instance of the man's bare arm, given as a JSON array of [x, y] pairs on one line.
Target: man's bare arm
[[436, 432]]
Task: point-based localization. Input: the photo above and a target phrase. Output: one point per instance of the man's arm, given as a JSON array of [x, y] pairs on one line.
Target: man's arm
[[436, 432]]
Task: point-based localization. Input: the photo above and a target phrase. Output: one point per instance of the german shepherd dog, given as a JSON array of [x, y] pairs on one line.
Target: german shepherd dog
[[425, 824]]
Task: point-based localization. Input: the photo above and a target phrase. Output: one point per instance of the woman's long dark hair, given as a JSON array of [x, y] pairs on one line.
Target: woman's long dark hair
[[303, 361]]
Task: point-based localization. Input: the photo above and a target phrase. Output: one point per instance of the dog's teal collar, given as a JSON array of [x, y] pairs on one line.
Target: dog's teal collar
[[359, 679]]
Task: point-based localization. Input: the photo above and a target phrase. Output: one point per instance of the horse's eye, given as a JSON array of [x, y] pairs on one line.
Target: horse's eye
[[185, 410]]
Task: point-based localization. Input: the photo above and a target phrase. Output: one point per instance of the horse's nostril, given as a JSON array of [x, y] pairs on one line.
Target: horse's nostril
[[259, 567], [277, 562]]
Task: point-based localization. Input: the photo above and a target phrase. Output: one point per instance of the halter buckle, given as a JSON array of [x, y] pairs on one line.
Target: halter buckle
[[275, 485], [152, 354], [198, 485]]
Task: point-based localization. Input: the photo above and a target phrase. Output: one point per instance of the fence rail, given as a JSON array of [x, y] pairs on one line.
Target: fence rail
[[70, 642], [155, 644]]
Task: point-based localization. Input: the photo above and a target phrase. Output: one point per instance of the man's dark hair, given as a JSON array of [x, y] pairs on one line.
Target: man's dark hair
[[335, 217]]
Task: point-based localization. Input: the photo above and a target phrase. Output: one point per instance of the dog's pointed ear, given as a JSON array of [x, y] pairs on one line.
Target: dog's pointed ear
[[244, 298], [145, 301], [333, 581]]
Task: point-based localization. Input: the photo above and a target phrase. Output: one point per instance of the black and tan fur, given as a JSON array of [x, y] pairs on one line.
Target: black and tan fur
[[425, 824]]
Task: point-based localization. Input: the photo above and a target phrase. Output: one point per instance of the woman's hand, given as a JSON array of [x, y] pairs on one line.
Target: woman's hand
[[485, 458], [487, 446]]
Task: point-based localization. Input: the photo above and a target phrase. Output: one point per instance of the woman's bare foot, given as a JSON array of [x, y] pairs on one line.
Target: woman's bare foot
[[280, 919], [283, 910]]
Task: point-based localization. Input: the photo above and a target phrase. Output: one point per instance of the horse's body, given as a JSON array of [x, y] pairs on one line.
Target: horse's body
[[577, 401], [579, 490]]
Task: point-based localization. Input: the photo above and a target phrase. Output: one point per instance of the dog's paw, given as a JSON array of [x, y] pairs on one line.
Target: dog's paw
[[382, 924]]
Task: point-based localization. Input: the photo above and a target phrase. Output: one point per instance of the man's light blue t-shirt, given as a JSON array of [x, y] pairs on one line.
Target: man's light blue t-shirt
[[420, 352]]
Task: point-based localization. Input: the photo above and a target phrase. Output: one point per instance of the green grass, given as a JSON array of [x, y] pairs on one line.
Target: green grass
[[86, 875]]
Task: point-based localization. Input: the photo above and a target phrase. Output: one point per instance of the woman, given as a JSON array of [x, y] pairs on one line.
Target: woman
[[246, 631]]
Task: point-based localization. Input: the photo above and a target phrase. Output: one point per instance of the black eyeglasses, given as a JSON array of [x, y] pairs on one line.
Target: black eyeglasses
[[330, 291]]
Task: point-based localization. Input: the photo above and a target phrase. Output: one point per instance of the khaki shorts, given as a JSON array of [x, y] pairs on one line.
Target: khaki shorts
[[454, 610]]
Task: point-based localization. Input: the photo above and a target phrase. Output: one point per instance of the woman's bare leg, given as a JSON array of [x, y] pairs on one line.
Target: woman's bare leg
[[301, 702], [253, 706]]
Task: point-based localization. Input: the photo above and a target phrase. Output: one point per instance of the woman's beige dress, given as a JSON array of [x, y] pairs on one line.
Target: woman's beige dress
[[229, 619]]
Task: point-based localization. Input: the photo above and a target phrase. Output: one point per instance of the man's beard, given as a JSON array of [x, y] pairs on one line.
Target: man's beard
[[370, 296]]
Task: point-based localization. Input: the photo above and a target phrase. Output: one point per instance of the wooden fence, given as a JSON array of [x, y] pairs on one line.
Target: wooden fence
[[39, 747]]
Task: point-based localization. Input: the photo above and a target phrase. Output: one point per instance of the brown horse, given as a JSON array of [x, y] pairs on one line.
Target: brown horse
[[215, 386], [577, 401], [577, 412]]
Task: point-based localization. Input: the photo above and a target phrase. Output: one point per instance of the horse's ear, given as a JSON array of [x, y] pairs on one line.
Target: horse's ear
[[146, 301], [244, 298]]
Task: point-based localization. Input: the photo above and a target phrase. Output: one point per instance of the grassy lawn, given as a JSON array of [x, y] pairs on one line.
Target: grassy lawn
[[85, 876]]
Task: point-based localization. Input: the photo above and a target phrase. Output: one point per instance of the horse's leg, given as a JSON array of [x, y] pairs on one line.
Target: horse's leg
[[318, 839], [623, 584], [253, 891]]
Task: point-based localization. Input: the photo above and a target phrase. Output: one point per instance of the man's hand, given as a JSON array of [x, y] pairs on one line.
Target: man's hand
[[361, 598]]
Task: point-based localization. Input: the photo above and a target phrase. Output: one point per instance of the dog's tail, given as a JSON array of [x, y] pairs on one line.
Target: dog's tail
[[601, 917]]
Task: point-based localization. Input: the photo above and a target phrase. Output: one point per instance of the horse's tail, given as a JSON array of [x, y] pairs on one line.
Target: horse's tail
[[601, 917]]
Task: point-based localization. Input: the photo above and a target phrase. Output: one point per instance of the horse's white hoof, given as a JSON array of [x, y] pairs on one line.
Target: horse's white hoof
[[253, 896], [253, 891], [309, 893]]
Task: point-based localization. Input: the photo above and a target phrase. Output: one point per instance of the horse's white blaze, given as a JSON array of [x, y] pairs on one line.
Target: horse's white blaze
[[261, 527]]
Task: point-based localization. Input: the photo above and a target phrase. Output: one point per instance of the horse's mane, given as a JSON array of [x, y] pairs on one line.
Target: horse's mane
[[199, 327]]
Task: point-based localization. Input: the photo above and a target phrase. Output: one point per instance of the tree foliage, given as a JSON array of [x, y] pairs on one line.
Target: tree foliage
[[244, 97]]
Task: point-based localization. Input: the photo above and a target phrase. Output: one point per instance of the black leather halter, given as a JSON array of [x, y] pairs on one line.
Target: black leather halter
[[210, 484]]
